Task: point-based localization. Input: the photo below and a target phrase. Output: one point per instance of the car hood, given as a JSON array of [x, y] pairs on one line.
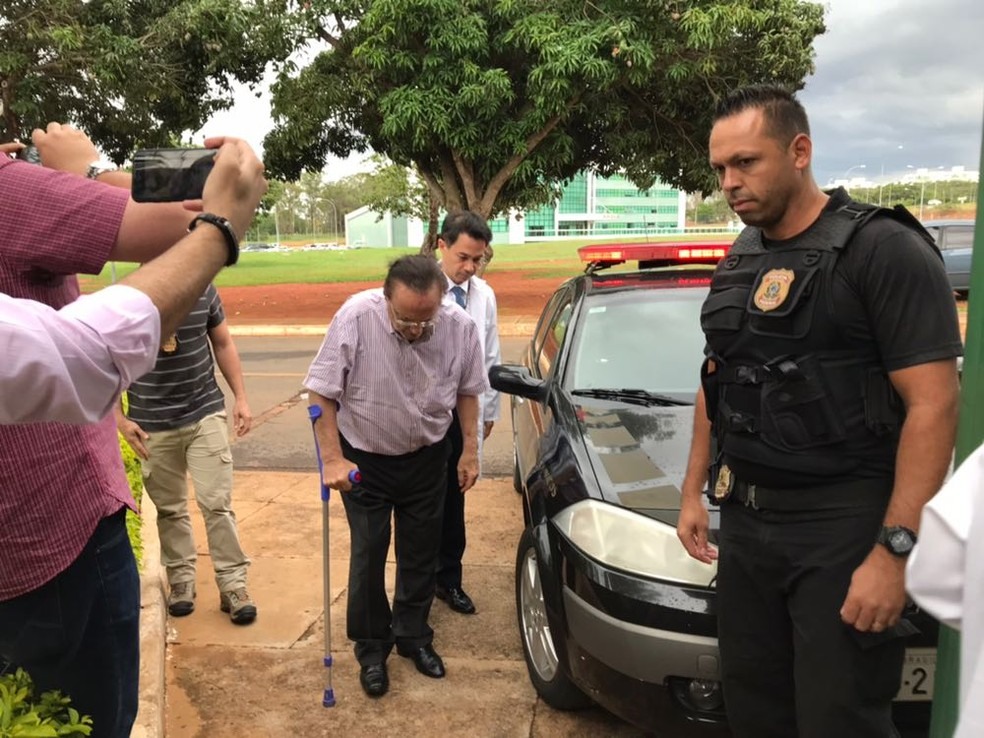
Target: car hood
[[638, 454]]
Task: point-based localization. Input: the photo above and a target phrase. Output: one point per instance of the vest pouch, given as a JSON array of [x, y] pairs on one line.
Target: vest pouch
[[884, 410], [798, 412], [724, 310], [781, 302]]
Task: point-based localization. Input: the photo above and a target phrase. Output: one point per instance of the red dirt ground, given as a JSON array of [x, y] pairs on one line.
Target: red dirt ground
[[281, 304]]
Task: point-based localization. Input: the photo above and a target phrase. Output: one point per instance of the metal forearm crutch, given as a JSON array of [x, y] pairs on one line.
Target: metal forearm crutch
[[314, 412]]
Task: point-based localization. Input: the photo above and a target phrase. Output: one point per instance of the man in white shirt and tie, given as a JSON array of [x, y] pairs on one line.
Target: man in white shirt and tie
[[462, 243]]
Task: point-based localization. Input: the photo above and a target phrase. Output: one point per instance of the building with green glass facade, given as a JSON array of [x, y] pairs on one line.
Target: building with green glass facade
[[589, 207], [593, 206]]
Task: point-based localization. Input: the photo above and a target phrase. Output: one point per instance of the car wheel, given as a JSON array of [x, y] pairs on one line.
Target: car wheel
[[542, 661], [517, 478]]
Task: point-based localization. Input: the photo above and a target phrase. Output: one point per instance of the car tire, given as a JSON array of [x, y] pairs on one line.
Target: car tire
[[545, 666], [517, 477]]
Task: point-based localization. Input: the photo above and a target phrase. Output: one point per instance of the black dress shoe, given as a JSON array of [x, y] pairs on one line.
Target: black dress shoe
[[374, 679], [457, 599], [426, 660]]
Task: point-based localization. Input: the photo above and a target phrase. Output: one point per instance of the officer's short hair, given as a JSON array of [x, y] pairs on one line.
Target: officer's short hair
[[420, 272], [465, 221], [784, 114]]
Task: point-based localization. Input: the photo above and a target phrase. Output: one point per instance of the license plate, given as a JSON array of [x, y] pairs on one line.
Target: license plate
[[918, 675]]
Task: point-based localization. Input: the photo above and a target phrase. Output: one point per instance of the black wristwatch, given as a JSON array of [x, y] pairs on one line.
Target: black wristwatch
[[232, 242], [898, 539]]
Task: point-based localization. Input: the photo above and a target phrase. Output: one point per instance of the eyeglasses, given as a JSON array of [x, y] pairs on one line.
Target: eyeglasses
[[406, 325], [410, 324]]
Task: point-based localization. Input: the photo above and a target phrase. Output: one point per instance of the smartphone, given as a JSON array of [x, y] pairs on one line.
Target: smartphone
[[170, 175]]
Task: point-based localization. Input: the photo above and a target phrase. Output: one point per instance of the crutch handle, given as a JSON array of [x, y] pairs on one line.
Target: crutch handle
[[354, 475]]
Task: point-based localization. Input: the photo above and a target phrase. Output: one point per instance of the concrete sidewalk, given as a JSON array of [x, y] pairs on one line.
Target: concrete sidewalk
[[267, 679]]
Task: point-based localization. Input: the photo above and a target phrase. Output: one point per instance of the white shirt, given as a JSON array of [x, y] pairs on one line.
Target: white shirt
[[945, 575], [480, 306], [70, 365]]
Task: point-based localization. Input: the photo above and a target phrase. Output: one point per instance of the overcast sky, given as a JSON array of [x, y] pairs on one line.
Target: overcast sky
[[897, 83]]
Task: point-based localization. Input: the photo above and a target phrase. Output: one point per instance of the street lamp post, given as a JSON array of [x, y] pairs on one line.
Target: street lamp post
[[334, 216], [847, 182]]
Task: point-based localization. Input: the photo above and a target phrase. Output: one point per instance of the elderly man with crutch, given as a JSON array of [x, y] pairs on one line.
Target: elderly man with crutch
[[394, 364]]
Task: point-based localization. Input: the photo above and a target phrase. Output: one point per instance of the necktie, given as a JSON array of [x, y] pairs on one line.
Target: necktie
[[459, 295]]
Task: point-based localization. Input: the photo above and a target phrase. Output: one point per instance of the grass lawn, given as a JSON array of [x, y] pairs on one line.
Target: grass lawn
[[546, 259]]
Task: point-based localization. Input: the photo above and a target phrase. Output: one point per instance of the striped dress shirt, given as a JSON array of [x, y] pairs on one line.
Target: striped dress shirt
[[395, 397]]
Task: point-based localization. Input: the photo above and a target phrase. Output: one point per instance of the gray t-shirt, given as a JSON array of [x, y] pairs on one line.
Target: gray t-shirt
[[181, 389]]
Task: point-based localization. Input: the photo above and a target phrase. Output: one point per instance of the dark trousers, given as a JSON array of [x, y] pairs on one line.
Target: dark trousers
[[80, 632], [410, 489], [790, 665], [453, 527]]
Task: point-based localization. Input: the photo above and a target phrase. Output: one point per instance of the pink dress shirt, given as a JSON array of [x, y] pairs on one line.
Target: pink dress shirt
[[70, 365], [395, 397], [57, 481]]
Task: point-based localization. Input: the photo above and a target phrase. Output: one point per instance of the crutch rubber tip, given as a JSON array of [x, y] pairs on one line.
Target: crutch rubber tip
[[329, 699]]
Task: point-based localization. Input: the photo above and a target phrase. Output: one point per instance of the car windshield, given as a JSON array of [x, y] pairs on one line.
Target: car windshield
[[642, 339]]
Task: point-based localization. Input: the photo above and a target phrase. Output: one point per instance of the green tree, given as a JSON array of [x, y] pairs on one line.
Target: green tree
[[132, 73], [494, 103]]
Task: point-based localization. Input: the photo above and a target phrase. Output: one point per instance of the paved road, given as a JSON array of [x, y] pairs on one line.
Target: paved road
[[281, 437]]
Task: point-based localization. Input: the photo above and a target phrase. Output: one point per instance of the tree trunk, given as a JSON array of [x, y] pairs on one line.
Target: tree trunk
[[484, 211], [429, 246]]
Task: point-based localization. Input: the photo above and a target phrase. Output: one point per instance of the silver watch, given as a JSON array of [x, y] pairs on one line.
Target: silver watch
[[100, 166]]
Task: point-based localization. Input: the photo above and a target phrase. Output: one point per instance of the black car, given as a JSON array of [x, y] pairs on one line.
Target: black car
[[611, 608]]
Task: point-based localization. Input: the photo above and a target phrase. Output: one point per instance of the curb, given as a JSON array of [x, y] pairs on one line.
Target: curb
[[153, 630], [515, 328]]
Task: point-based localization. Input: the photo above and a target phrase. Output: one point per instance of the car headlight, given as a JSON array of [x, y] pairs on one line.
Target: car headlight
[[632, 542]]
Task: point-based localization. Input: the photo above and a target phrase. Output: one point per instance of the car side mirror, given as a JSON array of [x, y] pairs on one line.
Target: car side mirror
[[514, 379]]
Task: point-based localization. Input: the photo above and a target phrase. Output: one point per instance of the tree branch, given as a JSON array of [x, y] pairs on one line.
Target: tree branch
[[508, 169], [326, 37], [449, 182], [466, 171]]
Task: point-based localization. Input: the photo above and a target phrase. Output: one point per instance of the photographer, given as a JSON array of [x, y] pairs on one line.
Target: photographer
[[70, 365], [63, 542]]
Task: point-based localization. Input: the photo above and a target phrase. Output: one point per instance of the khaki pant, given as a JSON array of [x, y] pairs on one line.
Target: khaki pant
[[203, 450]]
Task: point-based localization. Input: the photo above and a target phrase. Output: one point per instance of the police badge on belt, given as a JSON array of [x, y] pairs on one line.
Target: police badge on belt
[[723, 484]]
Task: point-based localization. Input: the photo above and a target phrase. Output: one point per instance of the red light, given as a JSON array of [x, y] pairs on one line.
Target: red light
[[709, 252]]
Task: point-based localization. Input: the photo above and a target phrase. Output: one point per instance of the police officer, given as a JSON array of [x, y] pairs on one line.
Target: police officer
[[827, 417]]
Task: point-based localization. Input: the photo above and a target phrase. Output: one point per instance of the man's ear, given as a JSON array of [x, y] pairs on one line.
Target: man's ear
[[802, 150]]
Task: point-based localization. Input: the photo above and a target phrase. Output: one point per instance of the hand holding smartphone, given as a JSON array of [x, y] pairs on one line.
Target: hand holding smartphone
[[170, 175]]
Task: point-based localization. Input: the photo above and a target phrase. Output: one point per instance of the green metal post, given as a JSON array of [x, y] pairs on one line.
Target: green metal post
[[970, 434]]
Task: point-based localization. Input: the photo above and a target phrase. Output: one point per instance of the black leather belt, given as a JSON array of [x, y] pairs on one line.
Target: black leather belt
[[857, 493]]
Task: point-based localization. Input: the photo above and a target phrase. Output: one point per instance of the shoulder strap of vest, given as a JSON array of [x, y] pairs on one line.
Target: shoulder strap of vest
[[898, 213], [839, 226], [832, 231]]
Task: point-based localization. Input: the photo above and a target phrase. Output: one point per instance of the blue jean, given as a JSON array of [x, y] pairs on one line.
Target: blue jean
[[80, 632]]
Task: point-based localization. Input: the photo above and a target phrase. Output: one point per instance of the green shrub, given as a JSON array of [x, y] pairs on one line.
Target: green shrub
[[21, 716]]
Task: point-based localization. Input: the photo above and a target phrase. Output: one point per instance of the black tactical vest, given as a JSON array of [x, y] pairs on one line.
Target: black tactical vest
[[791, 402]]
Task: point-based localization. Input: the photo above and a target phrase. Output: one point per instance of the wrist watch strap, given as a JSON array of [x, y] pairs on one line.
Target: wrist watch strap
[[100, 166], [232, 242]]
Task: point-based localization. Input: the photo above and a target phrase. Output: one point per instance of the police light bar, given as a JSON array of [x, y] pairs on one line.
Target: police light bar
[[697, 252]]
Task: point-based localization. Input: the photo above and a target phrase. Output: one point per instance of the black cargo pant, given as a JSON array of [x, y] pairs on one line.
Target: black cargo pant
[[410, 490], [453, 527], [790, 665]]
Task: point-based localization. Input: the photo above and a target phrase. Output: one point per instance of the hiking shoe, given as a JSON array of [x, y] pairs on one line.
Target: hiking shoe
[[181, 599], [239, 605]]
